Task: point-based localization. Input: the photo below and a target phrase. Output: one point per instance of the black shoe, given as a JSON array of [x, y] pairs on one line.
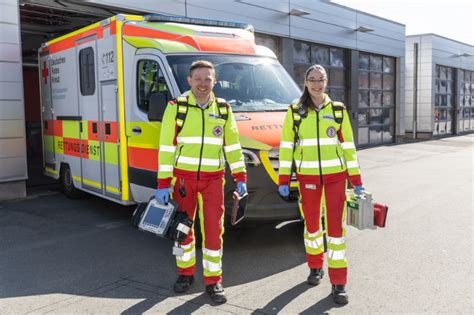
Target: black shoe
[[339, 294], [216, 292], [315, 276], [183, 283]]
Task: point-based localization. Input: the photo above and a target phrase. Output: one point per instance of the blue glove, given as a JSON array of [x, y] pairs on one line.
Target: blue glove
[[241, 188], [162, 195], [358, 190], [284, 190]]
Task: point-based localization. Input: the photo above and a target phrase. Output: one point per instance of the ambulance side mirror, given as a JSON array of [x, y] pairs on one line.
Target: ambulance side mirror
[[156, 106]]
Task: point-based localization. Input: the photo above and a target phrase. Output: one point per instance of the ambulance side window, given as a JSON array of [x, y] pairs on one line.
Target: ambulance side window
[[86, 71], [150, 80]]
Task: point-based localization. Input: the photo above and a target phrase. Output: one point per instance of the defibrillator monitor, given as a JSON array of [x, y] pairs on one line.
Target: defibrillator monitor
[[157, 217]]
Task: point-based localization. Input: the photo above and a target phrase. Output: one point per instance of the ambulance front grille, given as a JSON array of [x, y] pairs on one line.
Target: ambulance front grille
[[273, 156]]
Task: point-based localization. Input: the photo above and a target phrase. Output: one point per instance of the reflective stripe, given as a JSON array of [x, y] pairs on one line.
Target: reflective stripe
[[198, 140], [314, 243], [165, 168], [286, 145], [336, 240], [167, 148], [182, 109], [230, 148], [352, 164], [322, 141], [211, 266], [315, 164], [190, 245], [195, 161], [187, 256], [313, 234], [348, 145], [212, 253], [285, 164], [235, 165], [337, 254]]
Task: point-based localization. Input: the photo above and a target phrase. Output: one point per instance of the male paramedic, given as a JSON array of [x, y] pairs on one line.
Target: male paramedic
[[197, 130]]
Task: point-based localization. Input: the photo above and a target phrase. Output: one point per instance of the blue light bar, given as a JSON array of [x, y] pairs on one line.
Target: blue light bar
[[195, 21]]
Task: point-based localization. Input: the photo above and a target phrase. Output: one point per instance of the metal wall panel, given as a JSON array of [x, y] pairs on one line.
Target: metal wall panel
[[271, 21], [12, 169], [10, 52], [11, 148], [172, 7], [9, 33], [12, 129], [11, 90], [10, 2], [12, 124], [11, 109], [10, 72], [8, 14]]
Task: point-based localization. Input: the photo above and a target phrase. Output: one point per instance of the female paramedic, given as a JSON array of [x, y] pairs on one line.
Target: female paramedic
[[317, 138]]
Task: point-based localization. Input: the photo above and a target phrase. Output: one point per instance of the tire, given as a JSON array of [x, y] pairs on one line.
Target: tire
[[67, 183]]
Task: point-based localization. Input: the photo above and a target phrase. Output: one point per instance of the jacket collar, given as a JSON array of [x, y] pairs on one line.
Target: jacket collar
[[192, 99]]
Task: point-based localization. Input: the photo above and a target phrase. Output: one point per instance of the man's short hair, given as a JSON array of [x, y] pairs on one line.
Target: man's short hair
[[201, 64]]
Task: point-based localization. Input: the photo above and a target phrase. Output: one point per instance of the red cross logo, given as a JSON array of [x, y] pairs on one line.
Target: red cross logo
[[45, 73]]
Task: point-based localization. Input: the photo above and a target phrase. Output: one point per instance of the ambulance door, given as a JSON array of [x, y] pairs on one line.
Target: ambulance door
[[47, 115], [107, 73], [90, 126], [150, 76]]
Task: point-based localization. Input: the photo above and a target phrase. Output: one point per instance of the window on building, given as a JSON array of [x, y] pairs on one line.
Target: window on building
[[443, 109], [466, 101], [272, 42], [150, 79], [86, 71], [333, 59], [376, 110]]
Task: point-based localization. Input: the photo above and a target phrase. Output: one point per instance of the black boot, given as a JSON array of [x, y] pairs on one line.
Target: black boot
[[339, 294], [216, 292], [315, 276], [183, 283]]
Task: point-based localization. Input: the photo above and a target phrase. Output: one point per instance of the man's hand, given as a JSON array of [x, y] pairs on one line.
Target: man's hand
[[241, 188], [162, 195], [284, 190]]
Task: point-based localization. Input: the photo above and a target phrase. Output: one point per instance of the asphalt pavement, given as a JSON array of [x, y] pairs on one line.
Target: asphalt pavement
[[63, 256]]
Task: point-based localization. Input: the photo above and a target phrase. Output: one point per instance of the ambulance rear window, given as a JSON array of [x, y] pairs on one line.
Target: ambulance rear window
[[86, 71]]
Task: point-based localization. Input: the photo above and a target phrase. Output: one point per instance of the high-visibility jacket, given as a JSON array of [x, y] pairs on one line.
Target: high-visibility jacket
[[324, 151], [197, 152]]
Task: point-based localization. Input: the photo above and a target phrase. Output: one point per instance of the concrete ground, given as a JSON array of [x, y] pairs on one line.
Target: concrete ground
[[74, 257]]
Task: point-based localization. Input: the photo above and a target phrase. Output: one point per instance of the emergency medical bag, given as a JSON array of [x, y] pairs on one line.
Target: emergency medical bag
[[363, 213], [163, 220]]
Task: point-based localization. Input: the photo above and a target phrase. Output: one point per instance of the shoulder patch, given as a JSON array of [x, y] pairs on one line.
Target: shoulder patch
[[340, 104], [172, 102], [295, 106]]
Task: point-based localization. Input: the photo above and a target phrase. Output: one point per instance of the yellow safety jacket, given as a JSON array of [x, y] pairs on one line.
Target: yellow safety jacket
[[193, 141], [320, 143]]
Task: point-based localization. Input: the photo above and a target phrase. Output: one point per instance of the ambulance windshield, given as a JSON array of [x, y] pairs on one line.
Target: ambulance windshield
[[247, 83]]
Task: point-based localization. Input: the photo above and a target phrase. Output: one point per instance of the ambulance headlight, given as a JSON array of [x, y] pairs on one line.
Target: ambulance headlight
[[251, 158]]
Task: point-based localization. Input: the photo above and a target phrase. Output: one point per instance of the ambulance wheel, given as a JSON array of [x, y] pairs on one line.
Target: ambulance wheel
[[67, 183]]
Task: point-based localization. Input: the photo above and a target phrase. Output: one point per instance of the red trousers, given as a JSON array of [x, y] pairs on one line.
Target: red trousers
[[210, 195], [335, 204]]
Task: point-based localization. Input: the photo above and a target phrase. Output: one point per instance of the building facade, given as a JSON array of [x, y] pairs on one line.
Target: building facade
[[439, 86], [13, 170], [364, 56]]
